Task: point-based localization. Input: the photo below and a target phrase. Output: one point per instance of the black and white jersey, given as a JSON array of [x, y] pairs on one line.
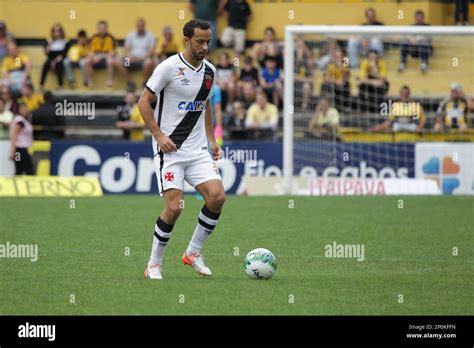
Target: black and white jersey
[[183, 92]]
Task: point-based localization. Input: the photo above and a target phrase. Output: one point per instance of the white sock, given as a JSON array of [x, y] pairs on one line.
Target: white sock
[[207, 221], [160, 241]]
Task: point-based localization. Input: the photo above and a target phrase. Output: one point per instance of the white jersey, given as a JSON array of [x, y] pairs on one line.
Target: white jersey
[[183, 92]]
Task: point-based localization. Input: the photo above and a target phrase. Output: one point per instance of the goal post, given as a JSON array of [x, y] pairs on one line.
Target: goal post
[[295, 119]]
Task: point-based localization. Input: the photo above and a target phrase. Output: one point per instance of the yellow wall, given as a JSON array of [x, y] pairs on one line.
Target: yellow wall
[[34, 19]]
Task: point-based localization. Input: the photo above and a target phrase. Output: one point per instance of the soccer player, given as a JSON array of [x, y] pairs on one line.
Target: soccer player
[[182, 131]]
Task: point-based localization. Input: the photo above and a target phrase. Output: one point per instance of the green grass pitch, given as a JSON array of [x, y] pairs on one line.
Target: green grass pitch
[[82, 252]]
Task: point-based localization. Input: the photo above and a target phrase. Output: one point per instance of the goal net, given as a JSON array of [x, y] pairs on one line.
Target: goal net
[[357, 98]]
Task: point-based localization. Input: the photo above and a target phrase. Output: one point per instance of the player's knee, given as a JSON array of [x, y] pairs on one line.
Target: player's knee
[[217, 199], [173, 211]]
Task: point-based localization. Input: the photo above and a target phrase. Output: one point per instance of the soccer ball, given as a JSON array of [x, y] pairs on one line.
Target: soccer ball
[[260, 263]]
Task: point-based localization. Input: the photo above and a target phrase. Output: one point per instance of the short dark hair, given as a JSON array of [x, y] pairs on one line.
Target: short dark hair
[[269, 29], [370, 9], [405, 87], [188, 29], [82, 33], [419, 12]]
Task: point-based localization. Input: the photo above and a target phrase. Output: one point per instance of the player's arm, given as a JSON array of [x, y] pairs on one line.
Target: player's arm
[[216, 149], [144, 105]]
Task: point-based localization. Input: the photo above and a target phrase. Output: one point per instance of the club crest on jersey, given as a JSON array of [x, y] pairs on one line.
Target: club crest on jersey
[[208, 81], [192, 106]]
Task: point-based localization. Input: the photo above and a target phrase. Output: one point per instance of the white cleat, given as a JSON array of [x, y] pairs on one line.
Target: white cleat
[[197, 262], [153, 272]]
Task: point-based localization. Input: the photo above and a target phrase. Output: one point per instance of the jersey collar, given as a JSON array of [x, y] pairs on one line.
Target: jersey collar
[[181, 56]]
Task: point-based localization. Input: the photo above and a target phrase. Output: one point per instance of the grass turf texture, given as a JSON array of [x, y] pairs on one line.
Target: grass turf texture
[[408, 251]]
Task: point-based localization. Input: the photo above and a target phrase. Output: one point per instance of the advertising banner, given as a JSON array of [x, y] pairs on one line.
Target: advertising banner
[[451, 165]]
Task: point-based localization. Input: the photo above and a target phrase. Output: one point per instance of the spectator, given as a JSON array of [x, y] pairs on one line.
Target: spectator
[[102, 54], [237, 118], [30, 98], [216, 105], [336, 80], [169, 44], [304, 68], [21, 137], [130, 120], [248, 74], [357, 46], [268, 48], [55, 50], [76, 57], [462, 10], [208, 10], [226, 79], [138, 53], [416, 46], [45, 117], [373, 84], [238, 15], [16, 69], [10, 103], [405, 115], [453, 112], [5, 37], [6, 118], [262, 116], [249, 93], [271, 80], [325, 121], [326, 53]]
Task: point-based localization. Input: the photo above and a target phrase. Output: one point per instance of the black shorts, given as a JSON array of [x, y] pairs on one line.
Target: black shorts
[[23, 163]]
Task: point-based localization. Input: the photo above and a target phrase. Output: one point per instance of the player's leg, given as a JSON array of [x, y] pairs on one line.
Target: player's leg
[[205, 177], [170, 183], [163, 231]]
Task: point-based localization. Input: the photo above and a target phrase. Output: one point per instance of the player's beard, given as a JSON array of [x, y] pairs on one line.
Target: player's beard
[[198, 57]]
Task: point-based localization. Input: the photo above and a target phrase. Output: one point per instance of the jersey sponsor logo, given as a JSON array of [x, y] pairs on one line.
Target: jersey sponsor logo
[[181, 72], [185, 82], [169, 176], [192, 106]]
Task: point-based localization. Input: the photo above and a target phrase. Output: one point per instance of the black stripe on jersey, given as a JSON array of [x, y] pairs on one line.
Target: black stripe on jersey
[[185, 127], [160, 107], [161, 169]]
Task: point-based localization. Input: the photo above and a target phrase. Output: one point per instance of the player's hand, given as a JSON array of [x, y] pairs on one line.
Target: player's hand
[[166, 144], [216, 151]]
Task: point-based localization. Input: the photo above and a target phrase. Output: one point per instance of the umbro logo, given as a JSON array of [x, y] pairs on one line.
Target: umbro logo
[[185, 82]]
